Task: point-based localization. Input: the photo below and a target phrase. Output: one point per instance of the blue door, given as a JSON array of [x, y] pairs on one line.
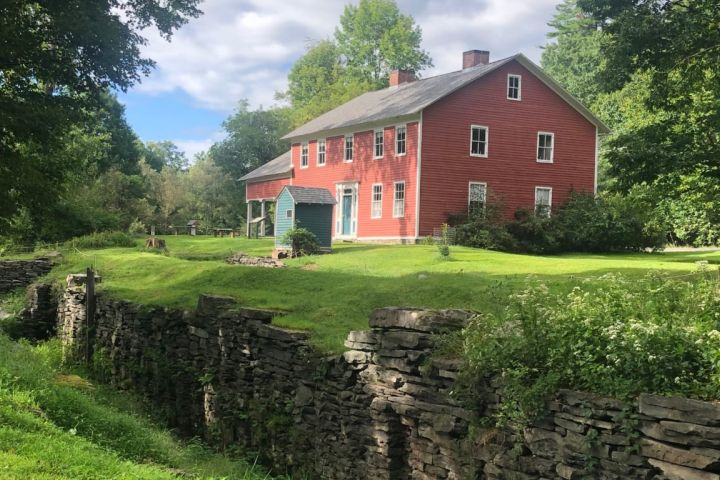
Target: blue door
[[347, 214]]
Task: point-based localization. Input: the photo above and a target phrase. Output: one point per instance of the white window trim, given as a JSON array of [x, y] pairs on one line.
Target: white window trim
[[507, 87], [317, 153], [487, 141], [352, 150], [305, 146], [375, 132], [372, 200], [404, 198], [470, 184], [396, 140], [550, 197], [552, 147]]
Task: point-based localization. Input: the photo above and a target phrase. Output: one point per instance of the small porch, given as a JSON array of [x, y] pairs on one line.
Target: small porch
[[260, 218]]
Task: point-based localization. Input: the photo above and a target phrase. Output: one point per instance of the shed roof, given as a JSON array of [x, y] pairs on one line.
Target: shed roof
[[279, 167], [411, 98], [308, 195]]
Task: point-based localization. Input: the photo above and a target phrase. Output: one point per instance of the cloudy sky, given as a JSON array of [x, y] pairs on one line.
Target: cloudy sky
[[243, 49]]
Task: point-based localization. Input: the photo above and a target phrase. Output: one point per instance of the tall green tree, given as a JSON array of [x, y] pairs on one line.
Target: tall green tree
[[253, 138], [375, 38], [573, 56], [372, 39], [56, 59], [165, 154]]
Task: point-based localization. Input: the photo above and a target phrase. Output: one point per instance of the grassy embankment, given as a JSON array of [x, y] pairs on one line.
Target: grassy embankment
[[333, 294], [56, 425]]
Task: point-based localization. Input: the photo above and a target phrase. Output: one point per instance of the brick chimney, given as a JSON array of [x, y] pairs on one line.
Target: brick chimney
[[401, 76], [473, 58]]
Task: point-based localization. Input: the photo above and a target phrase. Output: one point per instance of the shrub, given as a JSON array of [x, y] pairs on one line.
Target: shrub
[[102, 240], [586, 223], [137, 228], [443, 244], [535, 232], [302, 241], [616, 337]]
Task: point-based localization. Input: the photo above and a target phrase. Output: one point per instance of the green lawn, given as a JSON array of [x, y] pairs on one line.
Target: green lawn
[[55, 425], [333, 294]]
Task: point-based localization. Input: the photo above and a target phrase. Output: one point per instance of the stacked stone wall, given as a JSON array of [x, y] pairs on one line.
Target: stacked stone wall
[[384, 409], [21, 273]]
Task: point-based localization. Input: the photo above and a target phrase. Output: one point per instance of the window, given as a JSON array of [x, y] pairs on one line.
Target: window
[[379, 143], [400, 134], [304, 155], [321, 152], [477, 192], [376, 210], [348, 148], [399, 200], [288, 214], [513, 87], [543, 200], [478, 141], [545, 147]]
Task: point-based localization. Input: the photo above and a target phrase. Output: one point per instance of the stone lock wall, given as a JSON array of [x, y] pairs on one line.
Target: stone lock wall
[[382, 410], [21, 273]]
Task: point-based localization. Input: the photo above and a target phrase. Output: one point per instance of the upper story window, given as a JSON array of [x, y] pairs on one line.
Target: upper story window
[[321, 152], [399, 200], [545, 147], [477, 193], [304, 155], [379, 148], [543, 200], [348, 155], [376, 210], [400, 140], [513, 87], [478, 141]]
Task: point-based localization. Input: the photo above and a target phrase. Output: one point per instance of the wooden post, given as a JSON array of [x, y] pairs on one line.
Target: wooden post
[[89, 311], [248, 217], [262, 214]]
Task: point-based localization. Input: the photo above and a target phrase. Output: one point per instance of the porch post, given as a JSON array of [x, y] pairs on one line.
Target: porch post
[[262, 215], [248, 217]]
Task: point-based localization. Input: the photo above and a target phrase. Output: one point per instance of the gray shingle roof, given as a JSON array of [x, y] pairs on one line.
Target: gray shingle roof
[[411, 98], [278, 167], [311, 195]]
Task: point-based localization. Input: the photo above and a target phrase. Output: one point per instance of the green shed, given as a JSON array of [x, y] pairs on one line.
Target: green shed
[[309, 208]]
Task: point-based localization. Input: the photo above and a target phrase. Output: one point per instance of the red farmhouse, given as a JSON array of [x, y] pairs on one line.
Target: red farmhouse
[[400, 160]]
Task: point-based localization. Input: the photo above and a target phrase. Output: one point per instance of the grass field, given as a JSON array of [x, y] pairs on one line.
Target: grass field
[[55, 425], [333, 294]]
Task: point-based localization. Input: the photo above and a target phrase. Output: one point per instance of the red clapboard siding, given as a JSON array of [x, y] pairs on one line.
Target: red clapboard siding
[[265, 190], [367, 171], [511, 170]]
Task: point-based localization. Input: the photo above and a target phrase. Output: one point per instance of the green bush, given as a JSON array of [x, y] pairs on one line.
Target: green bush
[[302, 241], [615, 336], [586, 223], [102, 240]]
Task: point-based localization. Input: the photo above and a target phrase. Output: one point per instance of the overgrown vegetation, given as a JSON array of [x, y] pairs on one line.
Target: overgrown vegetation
[[614, 335], [57, 425], [102, 240], [586, 223]]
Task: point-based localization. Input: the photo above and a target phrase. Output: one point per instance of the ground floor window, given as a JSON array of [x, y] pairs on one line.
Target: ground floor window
[[543, 200], [376, 210], [399, 200], [477, 193]]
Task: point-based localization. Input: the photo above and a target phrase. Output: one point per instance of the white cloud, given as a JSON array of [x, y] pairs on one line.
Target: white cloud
[[244, 48]]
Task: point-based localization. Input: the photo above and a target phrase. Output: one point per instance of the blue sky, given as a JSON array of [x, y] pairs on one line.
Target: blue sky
[[243, 49]]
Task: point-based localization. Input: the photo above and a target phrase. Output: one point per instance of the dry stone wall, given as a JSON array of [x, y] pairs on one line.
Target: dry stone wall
[[21, 273], [384, 409]]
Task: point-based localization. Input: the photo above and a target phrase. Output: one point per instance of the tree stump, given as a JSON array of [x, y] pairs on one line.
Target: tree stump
[[154, 242]]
